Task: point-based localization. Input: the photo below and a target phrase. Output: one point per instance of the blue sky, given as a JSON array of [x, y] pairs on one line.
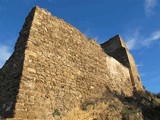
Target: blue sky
[[137, 21]]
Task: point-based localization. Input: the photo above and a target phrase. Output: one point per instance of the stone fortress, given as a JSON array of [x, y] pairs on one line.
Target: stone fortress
[[54, 68]]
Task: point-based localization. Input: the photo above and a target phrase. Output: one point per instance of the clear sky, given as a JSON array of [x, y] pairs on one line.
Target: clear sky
[[137, 22]]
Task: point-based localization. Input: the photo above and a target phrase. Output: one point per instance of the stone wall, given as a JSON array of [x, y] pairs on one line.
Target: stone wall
[[56, 68], [116, 48], [136, 81], [11, 73]]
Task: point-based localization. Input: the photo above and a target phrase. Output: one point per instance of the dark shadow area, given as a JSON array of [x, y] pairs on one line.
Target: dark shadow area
[[11, 72], [114, 48], [9, 85], [146, 104], [158, 95]]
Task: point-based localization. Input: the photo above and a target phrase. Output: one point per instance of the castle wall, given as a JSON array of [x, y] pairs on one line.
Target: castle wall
[[134, 74], [118, 77], [116, 48], [11, 73], [59, 69]]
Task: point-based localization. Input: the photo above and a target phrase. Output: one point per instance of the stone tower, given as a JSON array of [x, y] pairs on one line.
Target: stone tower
[[117, 48], [54, 68]]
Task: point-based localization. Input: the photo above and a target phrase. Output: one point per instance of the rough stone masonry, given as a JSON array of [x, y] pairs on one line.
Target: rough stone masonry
[[54, 67]]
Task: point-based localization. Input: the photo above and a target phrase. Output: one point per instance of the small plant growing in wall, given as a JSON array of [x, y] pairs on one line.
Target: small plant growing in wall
[[56, 113]]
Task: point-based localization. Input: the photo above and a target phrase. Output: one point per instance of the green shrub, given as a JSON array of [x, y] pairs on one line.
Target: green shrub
[[86, 104], [129, 111], [56, 113]]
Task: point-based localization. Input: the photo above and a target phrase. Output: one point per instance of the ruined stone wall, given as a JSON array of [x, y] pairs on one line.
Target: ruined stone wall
[[134, 74], [59, 68], [11, 73], [118, 77], [116, 48]]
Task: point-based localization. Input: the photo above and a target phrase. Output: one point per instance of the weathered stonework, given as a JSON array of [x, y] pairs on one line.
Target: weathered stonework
[[55, 68], [116, 48]]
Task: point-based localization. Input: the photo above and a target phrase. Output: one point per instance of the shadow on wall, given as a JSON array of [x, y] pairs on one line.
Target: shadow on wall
[[11, 72], [9, 85]]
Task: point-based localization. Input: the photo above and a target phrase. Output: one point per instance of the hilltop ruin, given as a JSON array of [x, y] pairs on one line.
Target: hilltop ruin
[[54, 69]]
